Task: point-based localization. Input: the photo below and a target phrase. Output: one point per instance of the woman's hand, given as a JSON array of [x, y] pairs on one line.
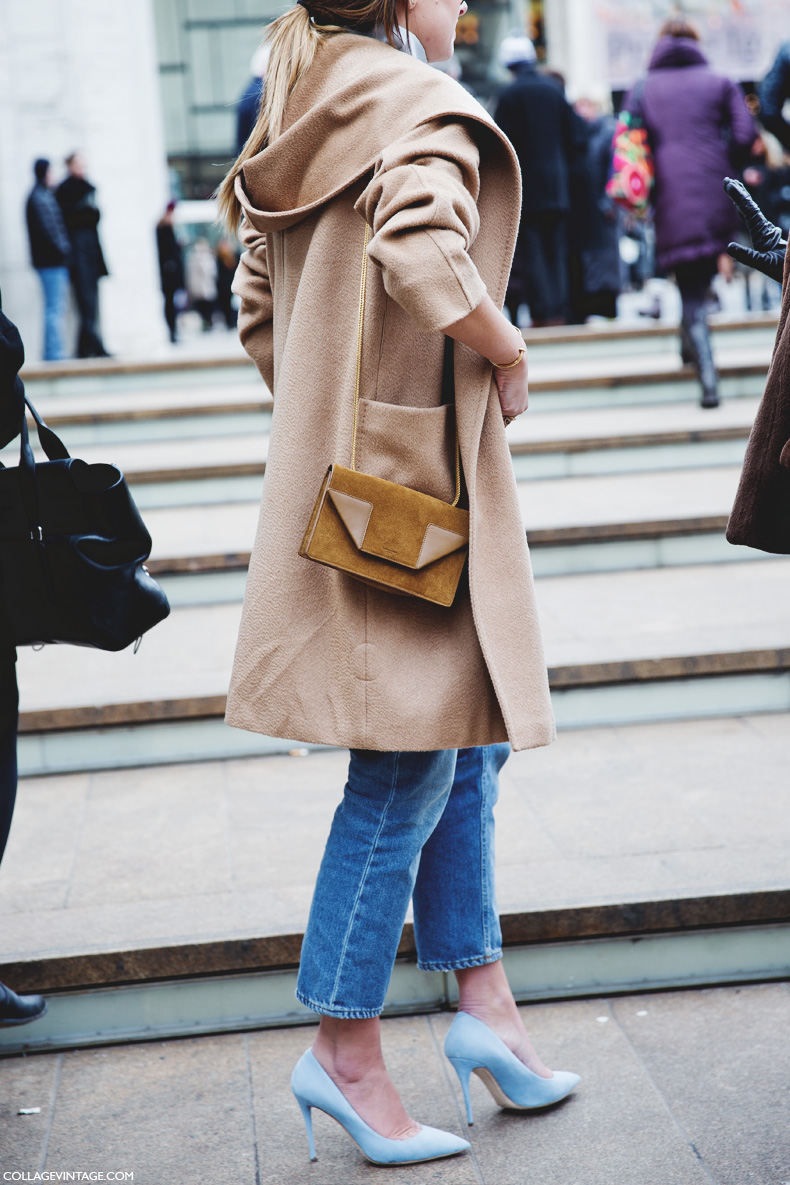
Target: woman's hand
[[489, 332], [513, 388], [767, 255]]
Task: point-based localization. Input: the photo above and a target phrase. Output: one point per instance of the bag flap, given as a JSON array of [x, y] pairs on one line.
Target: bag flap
[[396, 523]]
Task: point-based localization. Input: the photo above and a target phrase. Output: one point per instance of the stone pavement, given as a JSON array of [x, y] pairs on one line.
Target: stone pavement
[[174, 854], [678, 1088]]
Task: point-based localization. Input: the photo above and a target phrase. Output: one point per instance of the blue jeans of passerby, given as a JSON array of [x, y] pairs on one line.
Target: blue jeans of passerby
[[55, 283], [411, 826]]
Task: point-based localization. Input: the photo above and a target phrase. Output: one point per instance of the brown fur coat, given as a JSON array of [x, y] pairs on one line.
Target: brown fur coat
[[761, 515]]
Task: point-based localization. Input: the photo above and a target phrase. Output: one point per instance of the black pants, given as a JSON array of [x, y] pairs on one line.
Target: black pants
[[86, 293], [542, 256], [171, 313], [206, 310], [9, 715], [693, 279]]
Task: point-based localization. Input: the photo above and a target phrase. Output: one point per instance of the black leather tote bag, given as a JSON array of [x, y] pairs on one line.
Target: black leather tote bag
[[72, 550]]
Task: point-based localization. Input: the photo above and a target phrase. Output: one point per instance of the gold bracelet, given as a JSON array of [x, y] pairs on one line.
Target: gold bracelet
[[510, 365]]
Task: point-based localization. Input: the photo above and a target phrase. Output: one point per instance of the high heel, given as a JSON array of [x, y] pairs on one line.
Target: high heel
[[473, 1048], [313, 1087]]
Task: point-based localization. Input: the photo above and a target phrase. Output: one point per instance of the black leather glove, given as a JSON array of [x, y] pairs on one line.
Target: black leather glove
[[767, 253]]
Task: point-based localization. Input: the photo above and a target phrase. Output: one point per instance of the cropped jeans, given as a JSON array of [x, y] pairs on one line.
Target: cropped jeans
[[411, 826]]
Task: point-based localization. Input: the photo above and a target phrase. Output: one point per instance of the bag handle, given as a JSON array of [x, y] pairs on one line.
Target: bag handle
[[54, 449], [358, 373]]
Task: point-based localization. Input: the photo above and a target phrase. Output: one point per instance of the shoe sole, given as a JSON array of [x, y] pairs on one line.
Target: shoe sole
[[24, 1020]]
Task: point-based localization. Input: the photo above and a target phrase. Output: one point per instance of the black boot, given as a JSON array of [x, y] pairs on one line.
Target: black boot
[[698, 337], [19, 1010]]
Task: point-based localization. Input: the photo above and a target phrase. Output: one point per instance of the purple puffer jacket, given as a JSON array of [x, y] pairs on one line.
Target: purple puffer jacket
[[699, 129]]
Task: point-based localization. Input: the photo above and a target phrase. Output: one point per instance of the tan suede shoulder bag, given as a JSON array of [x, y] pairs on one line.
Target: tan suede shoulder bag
[[384, 534]]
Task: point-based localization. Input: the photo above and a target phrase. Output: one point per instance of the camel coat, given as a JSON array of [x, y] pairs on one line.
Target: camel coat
[[373, 134]]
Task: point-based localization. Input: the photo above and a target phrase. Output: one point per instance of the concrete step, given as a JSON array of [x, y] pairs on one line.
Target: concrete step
[[627, 858], [566, 382], [605, 340], [199, 366], [676, 514], [621, 647], [543, 444]]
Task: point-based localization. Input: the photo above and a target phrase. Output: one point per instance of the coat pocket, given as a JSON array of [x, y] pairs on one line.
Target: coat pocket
[[414, 446]]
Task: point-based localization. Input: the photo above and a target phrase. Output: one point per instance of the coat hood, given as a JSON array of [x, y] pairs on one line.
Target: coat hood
[[339, 120], [672, 52]]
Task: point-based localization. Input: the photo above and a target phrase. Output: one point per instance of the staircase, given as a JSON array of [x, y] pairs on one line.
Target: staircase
[[651, 621]]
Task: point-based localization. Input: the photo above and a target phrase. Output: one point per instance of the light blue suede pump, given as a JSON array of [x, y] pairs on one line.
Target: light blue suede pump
[[473, 1048], [314, 1088]]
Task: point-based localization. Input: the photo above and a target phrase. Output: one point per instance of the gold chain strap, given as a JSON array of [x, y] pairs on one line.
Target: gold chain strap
[[362, 290]]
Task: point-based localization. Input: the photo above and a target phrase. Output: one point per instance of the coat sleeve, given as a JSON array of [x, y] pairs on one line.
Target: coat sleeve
[[774, 91], [251, 283], [422, 206]]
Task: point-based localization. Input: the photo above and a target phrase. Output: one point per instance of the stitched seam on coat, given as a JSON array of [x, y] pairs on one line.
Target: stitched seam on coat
[[363, 878], [444, 254], [448, 260]]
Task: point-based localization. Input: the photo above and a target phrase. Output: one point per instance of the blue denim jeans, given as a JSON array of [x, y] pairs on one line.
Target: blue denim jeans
[[55, 283], [411, 826]]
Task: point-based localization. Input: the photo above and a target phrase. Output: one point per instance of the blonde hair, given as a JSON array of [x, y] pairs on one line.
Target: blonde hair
[[293, 40]]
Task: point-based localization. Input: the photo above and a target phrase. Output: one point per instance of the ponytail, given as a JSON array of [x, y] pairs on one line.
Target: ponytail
[[294, 41]]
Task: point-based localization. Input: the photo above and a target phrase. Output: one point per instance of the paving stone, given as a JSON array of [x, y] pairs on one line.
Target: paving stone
[[417, 1069], [614, 1127], [152, 833], [681, 1088], [271, 847], [26, 1082], [171, 1112], [39, 858], [578, 808], [721, 1061]]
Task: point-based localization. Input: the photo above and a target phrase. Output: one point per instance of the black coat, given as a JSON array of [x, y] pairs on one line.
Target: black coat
[[49, 243], [247, 111], [12, 357], [76, 199], [12, 393], [541, 125], [600, 254], [171, 259]]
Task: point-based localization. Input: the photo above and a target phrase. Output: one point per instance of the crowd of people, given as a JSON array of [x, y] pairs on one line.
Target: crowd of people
[[571, 261], [201, 282], [65, 251], [568, 264], [62, 223]]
